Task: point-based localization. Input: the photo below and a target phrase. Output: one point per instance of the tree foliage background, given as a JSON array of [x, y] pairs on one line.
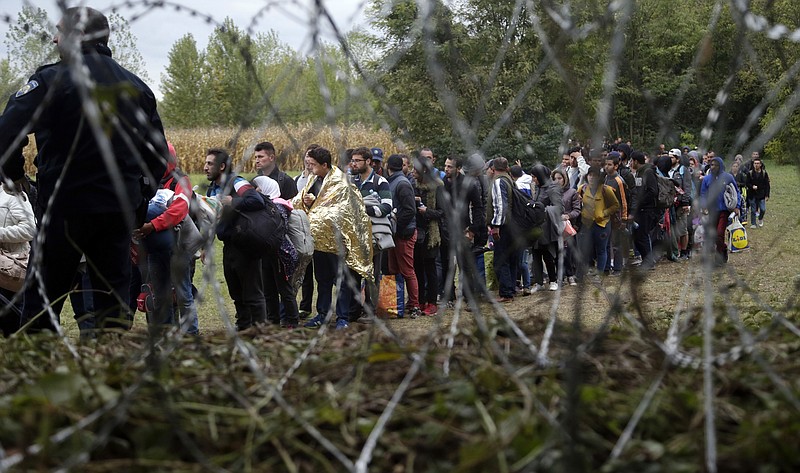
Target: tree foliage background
[[519, 78]]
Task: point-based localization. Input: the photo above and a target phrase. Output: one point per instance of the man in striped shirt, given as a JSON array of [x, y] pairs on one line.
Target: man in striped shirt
[[378, 203], [506, 253]]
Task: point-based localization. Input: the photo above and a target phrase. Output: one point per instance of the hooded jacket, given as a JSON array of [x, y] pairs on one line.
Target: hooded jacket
[[712, 189], [548, 193]]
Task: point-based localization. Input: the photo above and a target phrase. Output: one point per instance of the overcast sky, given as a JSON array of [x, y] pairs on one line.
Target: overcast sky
[[157, 30]]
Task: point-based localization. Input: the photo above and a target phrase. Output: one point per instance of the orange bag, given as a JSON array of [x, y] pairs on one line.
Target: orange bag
[[391, 301]]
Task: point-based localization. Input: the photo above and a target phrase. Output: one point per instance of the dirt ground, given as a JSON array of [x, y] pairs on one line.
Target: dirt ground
[[670, 287]]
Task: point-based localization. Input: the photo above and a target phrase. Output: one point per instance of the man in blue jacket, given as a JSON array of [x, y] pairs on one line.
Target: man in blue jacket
[[713, 202], [101, 154]]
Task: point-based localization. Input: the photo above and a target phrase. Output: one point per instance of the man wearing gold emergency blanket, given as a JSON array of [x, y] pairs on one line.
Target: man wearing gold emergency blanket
[[342, 234]]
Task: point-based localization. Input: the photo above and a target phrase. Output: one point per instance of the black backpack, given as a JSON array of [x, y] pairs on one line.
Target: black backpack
[[258, 231], [525, 214]]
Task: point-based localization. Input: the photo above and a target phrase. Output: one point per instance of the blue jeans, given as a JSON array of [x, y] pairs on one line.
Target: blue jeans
[[614, 250], [594, 245], [326, 271], [523, 269], [759, 205], [168, 270]]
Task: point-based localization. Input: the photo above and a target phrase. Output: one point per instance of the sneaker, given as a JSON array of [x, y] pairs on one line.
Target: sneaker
[[316, 322], [430, 309], [365, 319], [304, 314], [553, 286], [413, 312], [526, 291], [572, 281], [753, 226], [760, 222], [537, 288], [636, 260], [451, 304], [341, 324], [615, 273]]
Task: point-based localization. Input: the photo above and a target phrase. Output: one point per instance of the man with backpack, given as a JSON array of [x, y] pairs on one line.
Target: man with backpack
[[168, 265], [278, 268], [619, 241], [241, 267], [644, 211], [273, 275], [498, 212], [681, 175]]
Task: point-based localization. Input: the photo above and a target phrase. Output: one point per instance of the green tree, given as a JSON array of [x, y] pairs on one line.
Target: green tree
[[467, 80], [122, 43], [9, 82], [30, 41], [186, 100], [233, 80]]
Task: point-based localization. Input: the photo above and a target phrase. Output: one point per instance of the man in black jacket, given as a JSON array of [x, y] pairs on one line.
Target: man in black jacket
[[242, 268], [401, 257], [466, 220], [266, 165], [101, 154], [644, 212], [272, 275]]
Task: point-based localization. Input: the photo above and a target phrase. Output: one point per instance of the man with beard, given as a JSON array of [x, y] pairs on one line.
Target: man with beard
[[467, 227], [643, 207], [378, 204]]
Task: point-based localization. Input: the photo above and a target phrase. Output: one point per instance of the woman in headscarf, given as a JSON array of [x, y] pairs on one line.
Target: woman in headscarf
[[571, 213], [545, 247], [276, 272]]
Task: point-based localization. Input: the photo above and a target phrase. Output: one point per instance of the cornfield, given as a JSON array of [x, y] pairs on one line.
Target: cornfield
[[290, 143]]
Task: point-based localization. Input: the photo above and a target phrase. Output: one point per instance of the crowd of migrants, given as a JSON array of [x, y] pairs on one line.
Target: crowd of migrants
[[98, 225], [402, 216]]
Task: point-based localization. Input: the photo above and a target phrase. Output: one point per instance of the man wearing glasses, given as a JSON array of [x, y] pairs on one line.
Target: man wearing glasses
[[378, 204]]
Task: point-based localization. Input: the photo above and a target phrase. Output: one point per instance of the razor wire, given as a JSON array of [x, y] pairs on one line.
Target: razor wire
[[689, 306]]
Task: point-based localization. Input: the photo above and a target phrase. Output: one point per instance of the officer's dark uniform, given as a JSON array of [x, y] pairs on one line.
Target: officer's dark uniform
[[87, 213]]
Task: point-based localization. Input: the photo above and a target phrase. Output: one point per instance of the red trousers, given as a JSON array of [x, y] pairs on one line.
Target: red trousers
[[401, 260]]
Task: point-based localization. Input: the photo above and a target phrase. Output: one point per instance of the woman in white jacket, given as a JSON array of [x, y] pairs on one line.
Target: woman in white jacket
[[17, 229]]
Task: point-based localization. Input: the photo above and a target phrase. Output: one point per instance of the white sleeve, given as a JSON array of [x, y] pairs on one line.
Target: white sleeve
[[21, 226], [582, 166]]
